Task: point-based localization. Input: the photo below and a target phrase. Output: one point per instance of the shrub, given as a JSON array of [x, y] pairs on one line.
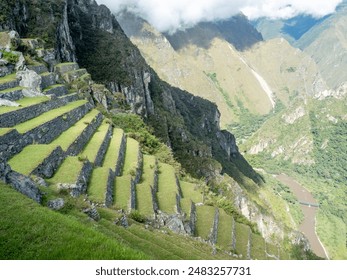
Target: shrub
[[137, 216]]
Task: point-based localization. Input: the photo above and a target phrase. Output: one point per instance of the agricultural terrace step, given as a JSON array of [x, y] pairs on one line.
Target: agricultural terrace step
[[92, 149], [31, 157], [242, 235], [71, 76], [9, 81], [39, 153], [66, 67], [204, 223], [70, 140], [190, 193], [167, 189], [98, 184], [122, 192], [57, 90], [48, 116], [68, 171], [31, 108], [47, 79], [224, 238], [257, 247], [38, 68], [144, 201], [112, 154], [12, 94], [43, 129]]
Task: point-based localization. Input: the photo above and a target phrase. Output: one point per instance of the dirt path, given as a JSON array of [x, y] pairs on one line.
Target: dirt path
[[308, 226]]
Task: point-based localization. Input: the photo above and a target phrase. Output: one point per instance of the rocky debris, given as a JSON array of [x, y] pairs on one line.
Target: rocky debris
[[92, 213], [31, 83], [176, 223], [56, 204], [5, 102], [40, 181], [100, 93], [294, 116], [261, 146]]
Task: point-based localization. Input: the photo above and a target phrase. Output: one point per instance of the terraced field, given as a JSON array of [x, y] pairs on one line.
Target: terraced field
[[65, 140]]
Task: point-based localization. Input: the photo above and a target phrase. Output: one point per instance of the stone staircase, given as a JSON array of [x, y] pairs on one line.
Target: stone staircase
[[58, 141]]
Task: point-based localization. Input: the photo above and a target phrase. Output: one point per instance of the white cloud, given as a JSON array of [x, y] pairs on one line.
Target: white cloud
[[171, 15]]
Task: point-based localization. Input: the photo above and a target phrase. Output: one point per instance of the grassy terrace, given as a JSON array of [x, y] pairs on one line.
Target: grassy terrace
[[190, 193], [167, 188], [97, 184], [53, 86], [224, 230], [204, 223], [123, 183], [91, 150], [48, 116], [24, 102], [4, 131], [131, 157], [242, 233], [30, 231], [8, 78], [68, 171], [112, 153], [70, 135], [143, 191], [10, 90], [31, 156], [258, 247], [122, 192]]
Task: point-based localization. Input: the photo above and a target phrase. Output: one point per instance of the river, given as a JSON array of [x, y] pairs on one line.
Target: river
[[308, 226]]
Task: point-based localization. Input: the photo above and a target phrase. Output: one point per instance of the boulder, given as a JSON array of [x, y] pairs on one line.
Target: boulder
[[5, 102], [56, 204], [31, 83]]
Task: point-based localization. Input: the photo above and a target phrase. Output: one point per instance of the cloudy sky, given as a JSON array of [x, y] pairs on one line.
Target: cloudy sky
[[170, 15]]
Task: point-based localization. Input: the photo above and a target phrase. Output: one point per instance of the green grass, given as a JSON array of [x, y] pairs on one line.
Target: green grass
[[122, 192], [205, 218], [258, 247], [224, 230], [143, 191], [52, 87], [131, 156], [30, 231], [10, 90], [4, 131], [271, 249], [68, 171], [70, 135], [48, 116], [97, 184], [24, 102], [190, 193], [242, 233], [91, 150], [167, 188], [8, 78], [26, 161], [112, 153]]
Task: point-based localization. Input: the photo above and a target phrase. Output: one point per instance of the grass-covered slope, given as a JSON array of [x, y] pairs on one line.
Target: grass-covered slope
[[31, 231]]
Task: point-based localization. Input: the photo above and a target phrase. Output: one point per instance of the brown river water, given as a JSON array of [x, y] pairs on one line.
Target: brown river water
[[308, 226]]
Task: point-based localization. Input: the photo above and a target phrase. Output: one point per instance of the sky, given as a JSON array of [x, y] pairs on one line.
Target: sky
[[173, 15]]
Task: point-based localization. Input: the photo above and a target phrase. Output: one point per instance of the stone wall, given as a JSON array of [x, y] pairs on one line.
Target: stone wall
[[10, 84], [13, 118], [19, 182], [12, 94], [110, 188], [139, 167], [154, 200], [193, 218], [133, 194], [178, 187], [77, 146], [121, 156], [57, 91], [103, 147], [214, 230], [178, 204], [249, 244], [50, 164], [83, 179], [10, 144], [233, 235]]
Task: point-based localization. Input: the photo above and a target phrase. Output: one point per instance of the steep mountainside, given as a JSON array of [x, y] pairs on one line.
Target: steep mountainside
[[76, 124]]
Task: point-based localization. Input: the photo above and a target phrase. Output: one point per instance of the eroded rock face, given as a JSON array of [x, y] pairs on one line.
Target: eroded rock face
[[31, 82], [5, 102]]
